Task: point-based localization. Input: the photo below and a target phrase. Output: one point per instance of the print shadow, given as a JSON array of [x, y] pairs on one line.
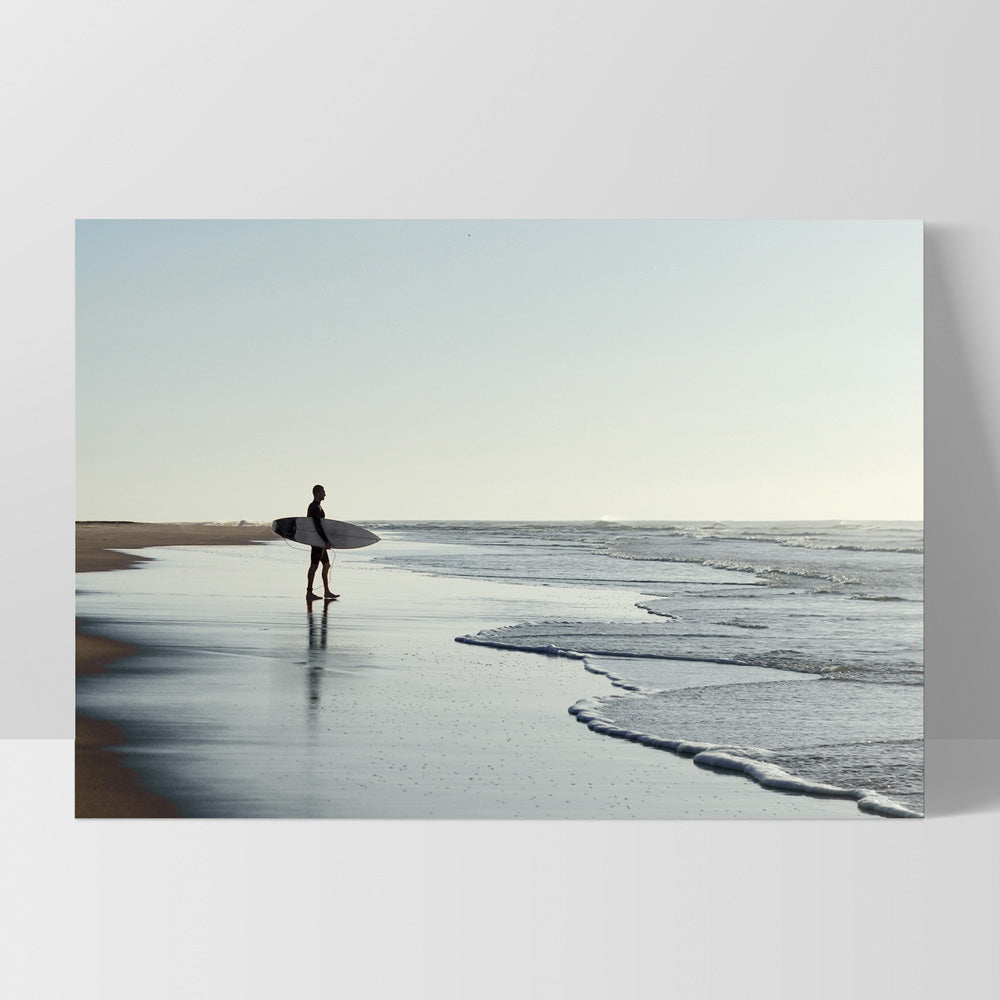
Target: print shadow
[[962, 777], [962, 549]]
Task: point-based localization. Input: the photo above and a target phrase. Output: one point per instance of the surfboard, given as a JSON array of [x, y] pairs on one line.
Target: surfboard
[[342, 535]]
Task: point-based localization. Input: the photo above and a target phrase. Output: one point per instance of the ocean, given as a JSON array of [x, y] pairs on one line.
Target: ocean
[[550, 670], [789, 651]]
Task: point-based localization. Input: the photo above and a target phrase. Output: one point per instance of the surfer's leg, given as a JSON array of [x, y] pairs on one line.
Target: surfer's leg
[[314, 562], [327, 592]]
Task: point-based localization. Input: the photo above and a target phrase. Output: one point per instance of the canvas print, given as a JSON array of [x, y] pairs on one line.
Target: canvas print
[[499, 519]]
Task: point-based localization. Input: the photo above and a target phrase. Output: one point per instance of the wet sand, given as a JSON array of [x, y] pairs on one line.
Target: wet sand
[[105, 787]]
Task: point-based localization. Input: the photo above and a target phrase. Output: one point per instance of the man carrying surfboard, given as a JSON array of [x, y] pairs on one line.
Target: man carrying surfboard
[[318, 554]]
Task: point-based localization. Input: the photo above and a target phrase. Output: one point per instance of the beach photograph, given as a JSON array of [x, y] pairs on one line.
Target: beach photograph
[[499, 520]]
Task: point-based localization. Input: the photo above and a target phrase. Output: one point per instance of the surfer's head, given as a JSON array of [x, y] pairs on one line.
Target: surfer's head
[[318, 492]]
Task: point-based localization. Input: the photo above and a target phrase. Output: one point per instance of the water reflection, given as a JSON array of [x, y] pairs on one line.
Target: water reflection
[[318, 626]]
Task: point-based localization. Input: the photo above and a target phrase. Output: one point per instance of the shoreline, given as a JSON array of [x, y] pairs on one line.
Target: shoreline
[[105, 787]]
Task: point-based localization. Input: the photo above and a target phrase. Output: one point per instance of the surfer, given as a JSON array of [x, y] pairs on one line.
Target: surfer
[[318, 554]]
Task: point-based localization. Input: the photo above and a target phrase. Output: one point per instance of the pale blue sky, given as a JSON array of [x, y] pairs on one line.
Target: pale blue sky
[[577, 370]]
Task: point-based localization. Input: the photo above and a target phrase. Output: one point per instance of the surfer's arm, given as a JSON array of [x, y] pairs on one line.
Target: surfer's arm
[[317, 521]]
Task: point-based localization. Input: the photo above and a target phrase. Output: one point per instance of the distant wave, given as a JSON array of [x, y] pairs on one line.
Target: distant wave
[[818, 540], [875, 597], [916, 550], [775, 576]]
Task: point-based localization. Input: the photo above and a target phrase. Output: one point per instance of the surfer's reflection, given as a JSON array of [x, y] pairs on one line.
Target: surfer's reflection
[[317, 643]]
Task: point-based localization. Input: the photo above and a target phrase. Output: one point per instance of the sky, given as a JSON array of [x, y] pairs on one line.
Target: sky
[[661, 370]]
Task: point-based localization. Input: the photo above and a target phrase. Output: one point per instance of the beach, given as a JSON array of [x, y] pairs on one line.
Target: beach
[[231, 698], [96, 541], [104, 786]]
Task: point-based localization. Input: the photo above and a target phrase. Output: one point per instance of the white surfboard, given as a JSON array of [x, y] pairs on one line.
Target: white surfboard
[[342, 534]]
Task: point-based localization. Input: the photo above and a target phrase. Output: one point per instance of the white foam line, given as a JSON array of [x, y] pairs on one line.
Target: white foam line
[[547, 650], [732, 759], [551, 650], [618, 681]]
